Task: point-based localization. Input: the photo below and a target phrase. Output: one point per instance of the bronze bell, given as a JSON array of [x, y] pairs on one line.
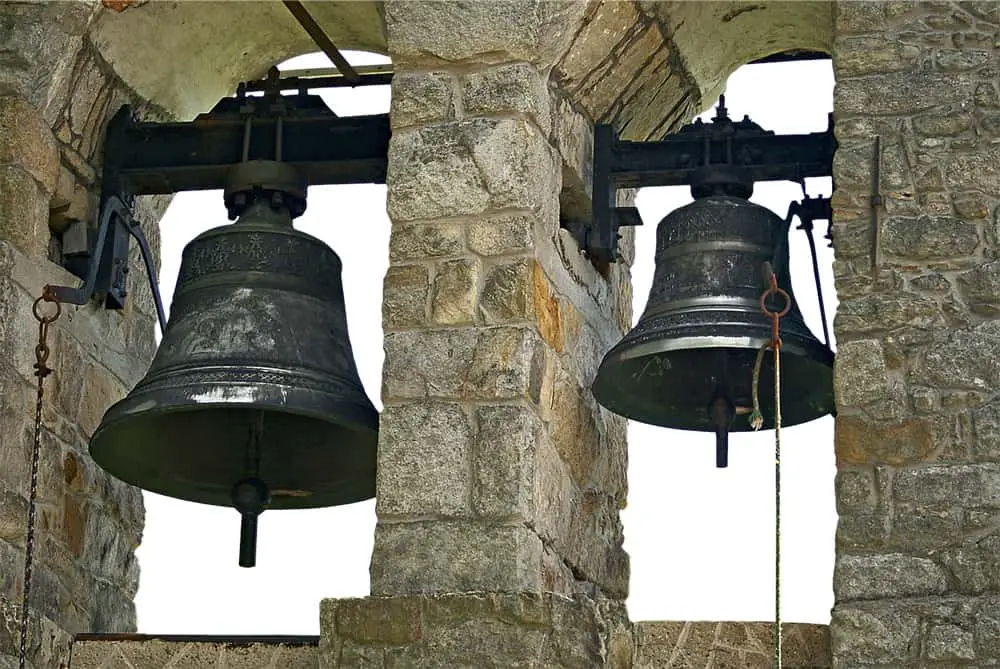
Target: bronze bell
[[688, 363], [253, 398]]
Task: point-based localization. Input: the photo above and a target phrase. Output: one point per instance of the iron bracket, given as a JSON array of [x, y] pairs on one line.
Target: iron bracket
[[107, 266], [692, 156], [149, 158]]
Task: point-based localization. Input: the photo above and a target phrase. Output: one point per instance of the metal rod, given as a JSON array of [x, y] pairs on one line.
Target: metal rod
[[135, 230], [248, 540], [315, 72], [722, 415], [321, 39], [876, 202], [315, 83], [819, 286]]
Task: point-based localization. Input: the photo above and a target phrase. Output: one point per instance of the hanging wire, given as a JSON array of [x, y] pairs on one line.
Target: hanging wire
[[806, 224]]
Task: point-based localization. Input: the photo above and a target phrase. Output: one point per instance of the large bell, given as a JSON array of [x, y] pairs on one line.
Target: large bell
[[253, 398], [688, 363]]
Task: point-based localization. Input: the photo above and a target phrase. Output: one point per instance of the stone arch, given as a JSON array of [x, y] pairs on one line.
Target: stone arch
[[647, 66], [183, 56]]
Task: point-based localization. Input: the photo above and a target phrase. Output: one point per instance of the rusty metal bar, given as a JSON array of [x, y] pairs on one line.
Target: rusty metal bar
[[319, 36]]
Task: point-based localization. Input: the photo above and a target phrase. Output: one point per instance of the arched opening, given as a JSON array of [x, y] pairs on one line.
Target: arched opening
[[190, 581], [700, 539]]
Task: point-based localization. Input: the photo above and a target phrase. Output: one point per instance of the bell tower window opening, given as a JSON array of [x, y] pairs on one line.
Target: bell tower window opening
[[711, 555], [188, 552]]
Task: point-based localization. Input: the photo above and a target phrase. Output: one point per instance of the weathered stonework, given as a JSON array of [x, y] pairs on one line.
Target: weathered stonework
[[123, 651], [916, 370], [57, 95], [481, 630], [711, 645], [498, 472]]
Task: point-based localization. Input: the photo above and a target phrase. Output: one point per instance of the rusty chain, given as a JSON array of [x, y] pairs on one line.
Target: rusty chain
[[42, 370]]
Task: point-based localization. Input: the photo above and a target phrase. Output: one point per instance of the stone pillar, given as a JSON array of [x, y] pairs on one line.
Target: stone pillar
[[88, 524], [497, 471], [917, 579]]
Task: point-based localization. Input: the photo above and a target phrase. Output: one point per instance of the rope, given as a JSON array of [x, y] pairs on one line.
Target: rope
[[757, 421], [777, 507]]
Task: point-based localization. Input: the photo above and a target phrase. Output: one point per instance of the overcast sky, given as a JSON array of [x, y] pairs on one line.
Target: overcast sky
[[701, 539]]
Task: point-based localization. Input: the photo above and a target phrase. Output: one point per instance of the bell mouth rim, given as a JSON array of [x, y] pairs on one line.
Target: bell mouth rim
[[279, 502], [642, 349]]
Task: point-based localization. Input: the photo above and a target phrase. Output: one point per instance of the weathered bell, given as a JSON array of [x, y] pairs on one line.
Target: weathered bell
[[688, 363], [253, 398]]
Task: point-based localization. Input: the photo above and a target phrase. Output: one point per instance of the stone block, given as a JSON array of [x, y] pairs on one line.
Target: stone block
[[980, 288], [987, 628], [855, 490], [900, 93], [504, 465], [974, 566], [508, 295], [405, 292], [535, 31], [573, 135], [859, 17], [736, 645], [13, 517], [874, 635], [464, 363], [24, 212], [135, 650], [482, 630], [873, 54], [858, 441], [878, 312], [886, 576], [517, 88], [500, 234], [28, 142], [860, 375], [453, 296], [966, 360], [949, 643], [51, 647], [917, 527], [974, 169], [388, 620], [419, 98], [466, 168], [424, 461], [973, 485], [928, 238], [421, 241], [454, 556], [101, 389]]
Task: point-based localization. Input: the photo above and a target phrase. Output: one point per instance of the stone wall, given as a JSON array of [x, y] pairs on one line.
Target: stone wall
[[53, 108], [917, 372], [111, 651], [731, 645]]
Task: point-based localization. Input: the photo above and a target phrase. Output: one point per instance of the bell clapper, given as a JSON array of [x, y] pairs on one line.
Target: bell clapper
[[251, 496], [722, 412]]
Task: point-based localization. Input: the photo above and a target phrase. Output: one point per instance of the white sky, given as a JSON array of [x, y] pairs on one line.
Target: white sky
[[701, 539]]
